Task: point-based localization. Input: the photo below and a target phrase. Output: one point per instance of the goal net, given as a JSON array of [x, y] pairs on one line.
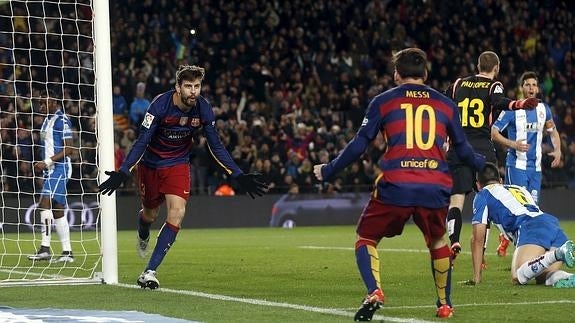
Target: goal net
[[49, 46]]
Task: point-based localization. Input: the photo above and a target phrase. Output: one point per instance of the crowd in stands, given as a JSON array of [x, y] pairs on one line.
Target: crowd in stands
[[290, 80]]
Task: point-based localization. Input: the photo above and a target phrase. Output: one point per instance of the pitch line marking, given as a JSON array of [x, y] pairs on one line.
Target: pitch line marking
[[560, 301], [381, 249], [332, 311]]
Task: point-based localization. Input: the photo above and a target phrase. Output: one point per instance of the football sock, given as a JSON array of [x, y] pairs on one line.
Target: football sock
[[46, 217], [535, 267], [441, 269], [555, 276], [367, 260], [63, 230], [143, 226], [166, 239], [454, 224]]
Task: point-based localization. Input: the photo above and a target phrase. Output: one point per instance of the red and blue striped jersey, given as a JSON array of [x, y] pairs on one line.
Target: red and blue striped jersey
[[416, 121], [166, 136]]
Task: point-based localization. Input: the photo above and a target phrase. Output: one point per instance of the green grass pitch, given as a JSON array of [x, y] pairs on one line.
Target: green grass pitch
[[305, 274]]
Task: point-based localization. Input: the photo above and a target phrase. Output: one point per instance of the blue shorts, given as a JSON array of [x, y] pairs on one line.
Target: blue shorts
[[543, 230], [529, 179], [55, 186]]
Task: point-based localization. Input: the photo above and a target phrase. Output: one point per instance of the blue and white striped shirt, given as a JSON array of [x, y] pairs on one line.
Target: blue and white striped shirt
[[507, 206], [529, 126], [55, 129]]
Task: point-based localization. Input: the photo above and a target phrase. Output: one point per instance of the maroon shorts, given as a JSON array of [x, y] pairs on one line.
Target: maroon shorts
[[380, 220], [156, 183]]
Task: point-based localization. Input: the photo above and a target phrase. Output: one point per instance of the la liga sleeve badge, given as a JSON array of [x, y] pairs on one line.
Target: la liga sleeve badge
[[148, 119]]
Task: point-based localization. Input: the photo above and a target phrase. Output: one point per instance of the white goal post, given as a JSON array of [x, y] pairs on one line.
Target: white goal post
[[60, 46]]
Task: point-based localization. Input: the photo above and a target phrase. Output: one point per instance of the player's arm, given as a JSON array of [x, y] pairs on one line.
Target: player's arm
[[67, 149], [479, 230], [477, 243], [147, 130], [252, 183], [556, 141], [502, 103], [355, 148], [500, 124], [218, 151], [215, 146], [555, 138]]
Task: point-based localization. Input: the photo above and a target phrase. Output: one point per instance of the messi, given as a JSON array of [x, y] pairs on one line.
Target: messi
[[417, 94]]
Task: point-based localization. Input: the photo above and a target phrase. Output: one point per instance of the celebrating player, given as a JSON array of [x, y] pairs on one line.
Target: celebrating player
[[57, 146], [525, 134], [477, 97], [416, 121], [540, 243], [164, 144]]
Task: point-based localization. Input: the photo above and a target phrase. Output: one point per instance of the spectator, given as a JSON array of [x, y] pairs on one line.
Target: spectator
[[120, 109], [139, 105]]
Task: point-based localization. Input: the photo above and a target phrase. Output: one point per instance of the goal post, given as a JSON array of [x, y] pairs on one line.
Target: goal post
[[62, 47], [103, 63]]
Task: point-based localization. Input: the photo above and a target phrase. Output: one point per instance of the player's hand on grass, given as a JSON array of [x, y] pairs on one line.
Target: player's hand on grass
[[253, 184], [113, 182]]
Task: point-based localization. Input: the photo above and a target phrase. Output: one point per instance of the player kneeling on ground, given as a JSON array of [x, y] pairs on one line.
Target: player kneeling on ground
[[541, 245]]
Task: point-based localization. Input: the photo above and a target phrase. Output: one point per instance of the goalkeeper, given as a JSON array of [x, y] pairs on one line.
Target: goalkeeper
[[541, 245], [162, 153]]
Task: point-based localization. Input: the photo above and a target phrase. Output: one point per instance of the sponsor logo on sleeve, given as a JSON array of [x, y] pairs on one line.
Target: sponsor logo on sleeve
[[148, 118], [498, 89]]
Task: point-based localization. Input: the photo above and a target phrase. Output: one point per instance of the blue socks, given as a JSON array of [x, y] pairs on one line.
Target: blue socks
[[166, 239]]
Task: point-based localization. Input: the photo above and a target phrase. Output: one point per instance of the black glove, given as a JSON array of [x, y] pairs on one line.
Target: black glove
[[253, 183], [113, 182]]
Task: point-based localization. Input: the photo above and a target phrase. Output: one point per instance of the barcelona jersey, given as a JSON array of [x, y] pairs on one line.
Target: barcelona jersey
[[416, 121], [166, 136]]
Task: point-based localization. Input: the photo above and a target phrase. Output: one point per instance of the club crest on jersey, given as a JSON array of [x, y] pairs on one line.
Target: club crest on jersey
[[541, 114], [195, 122], [498, 89], [148, 118], [183, 121]]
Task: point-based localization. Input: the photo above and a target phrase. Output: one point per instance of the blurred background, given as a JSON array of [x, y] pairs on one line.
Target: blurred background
[[289, 81]]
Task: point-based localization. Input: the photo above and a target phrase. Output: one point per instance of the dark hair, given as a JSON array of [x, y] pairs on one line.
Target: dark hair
[[527, 75], [489, 173], [410, 62], [189, 73], [487, 61]]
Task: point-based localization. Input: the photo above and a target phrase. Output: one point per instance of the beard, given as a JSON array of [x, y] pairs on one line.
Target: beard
[[189, 100]]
